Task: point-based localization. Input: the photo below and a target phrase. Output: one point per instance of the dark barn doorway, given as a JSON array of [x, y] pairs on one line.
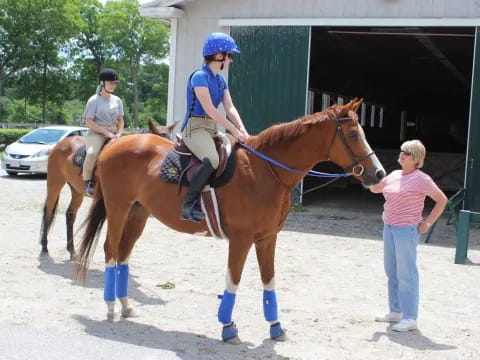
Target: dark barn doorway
[[416, 83]]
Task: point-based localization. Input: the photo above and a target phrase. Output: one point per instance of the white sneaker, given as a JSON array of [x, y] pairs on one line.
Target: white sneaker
[[390, 317], [405, 325]]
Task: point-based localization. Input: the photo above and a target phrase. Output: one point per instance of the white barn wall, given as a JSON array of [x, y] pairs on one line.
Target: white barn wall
[[201, 17]]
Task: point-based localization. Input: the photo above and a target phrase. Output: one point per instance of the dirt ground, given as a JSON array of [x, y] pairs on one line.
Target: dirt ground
[[329, 276]]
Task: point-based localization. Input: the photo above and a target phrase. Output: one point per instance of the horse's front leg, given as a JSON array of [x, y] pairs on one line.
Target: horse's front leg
[[266, 260], [237, 254]]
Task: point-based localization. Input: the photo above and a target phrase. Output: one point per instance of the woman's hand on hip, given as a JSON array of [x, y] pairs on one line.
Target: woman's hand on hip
[[423, 227]]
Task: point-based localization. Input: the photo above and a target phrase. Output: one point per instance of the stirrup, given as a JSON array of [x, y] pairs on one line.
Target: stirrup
[[200, 216]]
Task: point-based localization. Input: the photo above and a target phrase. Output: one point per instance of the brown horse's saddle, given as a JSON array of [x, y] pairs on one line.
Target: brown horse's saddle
[[79, 156], [180, 164]]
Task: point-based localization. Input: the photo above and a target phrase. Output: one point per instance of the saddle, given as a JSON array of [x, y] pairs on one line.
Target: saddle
[[79, 156], [180, 164]]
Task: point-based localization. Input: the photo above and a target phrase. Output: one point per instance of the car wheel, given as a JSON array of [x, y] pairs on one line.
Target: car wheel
[[12, 173]]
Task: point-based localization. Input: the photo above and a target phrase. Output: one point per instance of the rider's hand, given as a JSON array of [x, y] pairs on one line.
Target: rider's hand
[[109, 135], [243, 137]]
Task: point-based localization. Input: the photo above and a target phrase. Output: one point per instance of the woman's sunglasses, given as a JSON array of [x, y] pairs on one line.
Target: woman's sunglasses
[[230, 55], [406, 152]]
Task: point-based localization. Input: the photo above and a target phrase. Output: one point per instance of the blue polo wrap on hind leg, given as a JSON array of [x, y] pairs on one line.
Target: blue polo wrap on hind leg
[[226, 307], [270, 307], [109, 286], [122, 280]]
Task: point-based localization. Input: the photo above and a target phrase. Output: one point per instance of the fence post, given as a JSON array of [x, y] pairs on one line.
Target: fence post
[[463, 230]]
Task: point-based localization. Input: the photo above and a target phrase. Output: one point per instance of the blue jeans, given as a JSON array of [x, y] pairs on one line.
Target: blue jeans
[[400, 262]]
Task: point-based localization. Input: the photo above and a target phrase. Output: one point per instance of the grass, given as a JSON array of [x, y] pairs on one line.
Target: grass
[[298, 208]]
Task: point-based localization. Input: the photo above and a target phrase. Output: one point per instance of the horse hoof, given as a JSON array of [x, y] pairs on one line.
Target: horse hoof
[[233, 341], [73, 256], [130, 312], [230, 334], [277, 333], [113, 316]]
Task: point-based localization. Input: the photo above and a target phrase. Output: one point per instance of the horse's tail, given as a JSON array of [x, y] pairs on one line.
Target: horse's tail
[[94, 223]]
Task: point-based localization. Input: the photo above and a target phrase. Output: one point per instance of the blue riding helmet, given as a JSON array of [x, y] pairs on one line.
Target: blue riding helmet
[[218, 43]]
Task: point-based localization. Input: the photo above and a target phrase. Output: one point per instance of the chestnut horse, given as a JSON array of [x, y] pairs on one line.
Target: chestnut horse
[[254, 204], [61, 171]]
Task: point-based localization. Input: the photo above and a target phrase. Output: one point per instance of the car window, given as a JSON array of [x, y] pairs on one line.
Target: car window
[[83, 132], [42, 136], [74, 133]]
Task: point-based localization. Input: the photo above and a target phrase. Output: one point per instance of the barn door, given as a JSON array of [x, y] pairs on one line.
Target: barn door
[[472, 166], [268, 80]]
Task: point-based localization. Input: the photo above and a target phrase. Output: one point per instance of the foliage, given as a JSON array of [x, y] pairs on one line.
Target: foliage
[[8, 136], [51, 52], [19, 111], [135, 39]]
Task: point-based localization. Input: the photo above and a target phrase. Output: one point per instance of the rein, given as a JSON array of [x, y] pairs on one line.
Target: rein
[[357, 169], [312, 173]]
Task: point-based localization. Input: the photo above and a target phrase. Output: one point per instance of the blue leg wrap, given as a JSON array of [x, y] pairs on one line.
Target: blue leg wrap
[[122, 280], [109, 286], [270, 307], [226, 307]]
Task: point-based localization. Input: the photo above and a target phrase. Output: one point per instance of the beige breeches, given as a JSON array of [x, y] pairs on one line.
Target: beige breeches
[[94, 144], [198, 136]]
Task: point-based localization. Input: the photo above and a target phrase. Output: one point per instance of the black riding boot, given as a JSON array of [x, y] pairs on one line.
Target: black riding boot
[[199, 179], [89, 187]]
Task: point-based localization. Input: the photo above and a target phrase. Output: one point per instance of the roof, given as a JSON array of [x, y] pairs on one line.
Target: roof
[[64, 127]]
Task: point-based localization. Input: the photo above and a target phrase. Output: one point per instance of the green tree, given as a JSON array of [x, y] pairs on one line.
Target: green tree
[[54, 27], [15, 29], [135, 39]]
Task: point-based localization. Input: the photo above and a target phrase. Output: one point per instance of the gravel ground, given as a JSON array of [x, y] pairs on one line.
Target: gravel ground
[[330, 285]]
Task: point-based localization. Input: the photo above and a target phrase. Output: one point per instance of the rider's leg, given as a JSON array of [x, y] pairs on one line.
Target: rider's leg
[[94, 143], [201, 144]]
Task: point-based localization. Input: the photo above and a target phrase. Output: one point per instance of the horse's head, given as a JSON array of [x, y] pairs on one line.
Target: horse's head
[[350, 148]]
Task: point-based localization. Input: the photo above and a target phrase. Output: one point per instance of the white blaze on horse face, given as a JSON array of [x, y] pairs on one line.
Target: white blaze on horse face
[[376, 163], [231, 287]]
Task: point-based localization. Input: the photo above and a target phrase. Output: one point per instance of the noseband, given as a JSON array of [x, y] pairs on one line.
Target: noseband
[[356, 168]]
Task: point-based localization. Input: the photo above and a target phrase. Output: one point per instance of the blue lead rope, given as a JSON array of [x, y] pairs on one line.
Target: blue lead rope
[[312, 173]]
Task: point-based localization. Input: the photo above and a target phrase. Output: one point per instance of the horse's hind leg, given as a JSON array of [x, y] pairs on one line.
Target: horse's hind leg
[[55, 183], [237, 254], [137, 219], [75, 203], [266, 260]]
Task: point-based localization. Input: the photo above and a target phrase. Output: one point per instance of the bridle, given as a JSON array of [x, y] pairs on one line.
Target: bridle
[[356, 168]]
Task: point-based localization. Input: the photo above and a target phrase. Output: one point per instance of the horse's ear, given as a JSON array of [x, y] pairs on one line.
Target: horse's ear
[[172, 126], [357, 103]]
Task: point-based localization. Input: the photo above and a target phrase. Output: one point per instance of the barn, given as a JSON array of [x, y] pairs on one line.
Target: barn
[[416, 63]]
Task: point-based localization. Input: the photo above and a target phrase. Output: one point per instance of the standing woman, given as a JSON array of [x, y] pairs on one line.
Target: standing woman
[[206, 89], [104, 117], [405, 191]]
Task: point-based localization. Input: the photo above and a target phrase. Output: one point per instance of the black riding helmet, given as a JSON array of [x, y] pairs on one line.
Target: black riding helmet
[[107, 75]]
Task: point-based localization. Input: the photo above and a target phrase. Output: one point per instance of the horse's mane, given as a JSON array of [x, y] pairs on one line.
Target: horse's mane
[[286, 131]]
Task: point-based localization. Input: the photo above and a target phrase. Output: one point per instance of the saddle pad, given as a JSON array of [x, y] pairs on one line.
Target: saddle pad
[[175, 163], [79, 156]]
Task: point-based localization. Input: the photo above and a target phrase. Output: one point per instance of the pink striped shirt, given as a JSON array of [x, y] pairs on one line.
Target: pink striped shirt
[[405, 197]]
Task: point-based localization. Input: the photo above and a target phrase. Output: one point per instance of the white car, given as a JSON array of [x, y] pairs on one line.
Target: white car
[[29, 154]]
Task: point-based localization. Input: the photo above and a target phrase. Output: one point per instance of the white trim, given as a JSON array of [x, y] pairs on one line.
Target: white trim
[[161, 12], [470, 120], [171, 70], [474, 21]]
